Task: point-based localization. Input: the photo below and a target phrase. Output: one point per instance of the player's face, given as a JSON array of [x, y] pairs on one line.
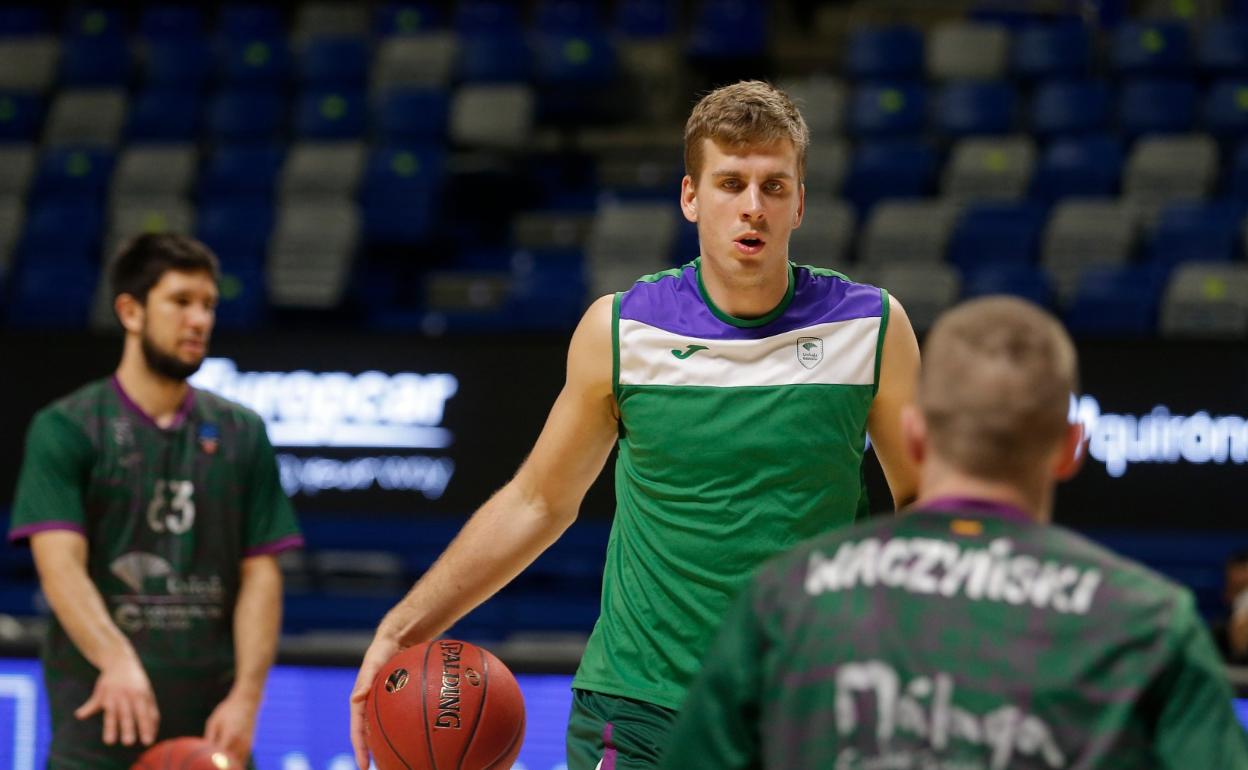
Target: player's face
[[745, 203], [177, 323]]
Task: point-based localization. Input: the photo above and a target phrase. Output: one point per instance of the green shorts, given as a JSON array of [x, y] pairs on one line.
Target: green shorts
[[607, 732]]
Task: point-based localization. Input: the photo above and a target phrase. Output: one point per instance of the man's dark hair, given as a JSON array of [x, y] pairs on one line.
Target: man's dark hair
[[144, 259], [1237, 558]]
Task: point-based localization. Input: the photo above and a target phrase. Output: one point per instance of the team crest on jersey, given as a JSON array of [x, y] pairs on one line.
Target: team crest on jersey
[[123, 434], [809, 351], [209, 438]]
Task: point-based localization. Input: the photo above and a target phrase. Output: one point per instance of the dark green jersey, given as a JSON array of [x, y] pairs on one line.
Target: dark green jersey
[[168, 515], [964, 639]]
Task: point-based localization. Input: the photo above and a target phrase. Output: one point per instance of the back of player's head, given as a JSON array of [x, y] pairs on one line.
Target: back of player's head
[[143, 260], [750, 113], [995, 386]]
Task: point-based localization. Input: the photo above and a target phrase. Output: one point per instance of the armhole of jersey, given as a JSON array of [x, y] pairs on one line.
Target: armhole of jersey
[[879, 343], [615, 346]]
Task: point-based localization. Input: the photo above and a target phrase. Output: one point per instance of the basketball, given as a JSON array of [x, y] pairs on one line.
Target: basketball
[[184, 754], [445, 705]]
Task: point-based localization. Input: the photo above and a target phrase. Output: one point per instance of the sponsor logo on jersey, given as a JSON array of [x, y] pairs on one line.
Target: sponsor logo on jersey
[[688, 351], [809, 351]]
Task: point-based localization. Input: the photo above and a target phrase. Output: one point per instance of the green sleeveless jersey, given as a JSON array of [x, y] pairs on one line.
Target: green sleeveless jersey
[[738, 439], [961, 636], [168, 515]]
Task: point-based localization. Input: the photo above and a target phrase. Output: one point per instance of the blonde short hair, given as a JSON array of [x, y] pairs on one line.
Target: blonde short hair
[[750, 113], [995, 386]]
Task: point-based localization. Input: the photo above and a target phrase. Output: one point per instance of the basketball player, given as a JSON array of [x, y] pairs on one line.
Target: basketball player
[[154, 512], [967, 633], [740, 389]]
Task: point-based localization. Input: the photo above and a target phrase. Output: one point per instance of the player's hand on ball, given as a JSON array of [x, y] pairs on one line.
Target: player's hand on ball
[[381, 650], [124, 693], [232, 726]]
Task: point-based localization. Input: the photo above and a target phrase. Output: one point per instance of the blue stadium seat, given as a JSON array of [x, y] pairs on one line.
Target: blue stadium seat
[[644, 19], [1054, 50], [1115, 302], [1079, 166], [889, 169], [1157, 107], [249, 170], [893, 52], [334, 63], [475, 17], [568, 17], [247, 116], [1156, 48], [171, 22], [243, 300], [21, 117], [1070, 107], [729, 29], [1205, 231], [1226, 108], [400, 192], [407, 18], [243, 20], [888, 110], [95, 61], [330, 114], [62, 231], [573, 59], [95, 21], [996, 234], [73, 172], [1237, 182], [1223, 48], [415, 115], [181, 63], [1027, 281], [237, 228], [166, 114], [23, 21], [965, 109], [495, 57], [51, 296], [254, 61]]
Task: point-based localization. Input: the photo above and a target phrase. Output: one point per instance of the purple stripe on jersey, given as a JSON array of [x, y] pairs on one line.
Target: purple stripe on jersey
[[184, 410], [608, 755], [21, 533], [974, 505], [276, 546], [675, 304]]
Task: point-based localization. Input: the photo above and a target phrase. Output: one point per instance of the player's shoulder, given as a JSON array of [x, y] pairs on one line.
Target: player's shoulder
[[77, 407], [221, 409], [1135, 581]]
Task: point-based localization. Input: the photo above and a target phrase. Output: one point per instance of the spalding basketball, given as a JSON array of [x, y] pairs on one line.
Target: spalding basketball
[[445, 705], [185, 754]]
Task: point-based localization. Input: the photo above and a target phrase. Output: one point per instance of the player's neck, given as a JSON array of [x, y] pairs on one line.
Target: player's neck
[[745, 293], [159, 397], [1035, 497]]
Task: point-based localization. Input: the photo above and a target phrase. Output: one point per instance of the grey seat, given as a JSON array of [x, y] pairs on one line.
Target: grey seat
[[925, 291], [152, 170], [414, 61], [342, 19], [654, 169], [29, 64], [822, 100], [492, 116], [1161, 169], [990, 168], [827, 162], [967, 51], [17, 164], [86, 117], [545, 230], [12, 219], [311, 252], [1208, 300], [635, 234], [131, 216], [657, 79], [1085, 232], [826, 233], [467, 290], [322, 169], [907, 231]]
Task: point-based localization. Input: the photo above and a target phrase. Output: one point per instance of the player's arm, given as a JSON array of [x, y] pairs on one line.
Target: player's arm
[[122, 691], [257, 625], [1196, 726], [718, 725], [521, 520], [899, 372]]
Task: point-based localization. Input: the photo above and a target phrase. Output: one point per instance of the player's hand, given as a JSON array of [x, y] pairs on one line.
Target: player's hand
[[124, 693], [381, 650], [232, 726]]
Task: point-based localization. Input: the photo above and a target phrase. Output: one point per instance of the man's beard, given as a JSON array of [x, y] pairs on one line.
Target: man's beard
[[166, 365]]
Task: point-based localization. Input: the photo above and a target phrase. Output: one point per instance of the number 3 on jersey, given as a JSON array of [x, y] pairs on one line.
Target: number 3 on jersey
[[172, 508]]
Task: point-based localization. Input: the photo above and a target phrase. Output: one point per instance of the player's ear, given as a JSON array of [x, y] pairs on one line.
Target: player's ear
[[130, 312], [914, 433], [689, 198], [1070, 453]]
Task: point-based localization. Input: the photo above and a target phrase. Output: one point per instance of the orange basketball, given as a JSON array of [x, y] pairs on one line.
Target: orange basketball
[[184, 754], [445, 705]]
